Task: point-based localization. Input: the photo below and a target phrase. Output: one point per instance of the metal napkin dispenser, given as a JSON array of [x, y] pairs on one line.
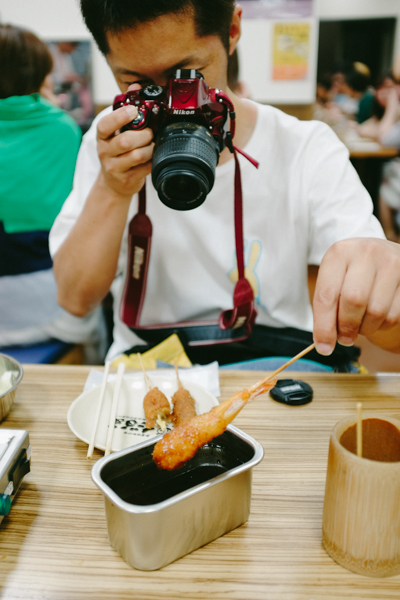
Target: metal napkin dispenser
[[15, 456]]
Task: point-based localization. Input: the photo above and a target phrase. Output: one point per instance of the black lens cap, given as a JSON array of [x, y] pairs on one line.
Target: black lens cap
[[292, 392]]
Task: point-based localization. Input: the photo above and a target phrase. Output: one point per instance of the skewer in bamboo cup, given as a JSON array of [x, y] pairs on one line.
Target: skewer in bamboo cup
[[361, 518], [359, 429]]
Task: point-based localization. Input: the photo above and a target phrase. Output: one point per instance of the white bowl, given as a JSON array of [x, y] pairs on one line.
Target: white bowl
[[11, 373]]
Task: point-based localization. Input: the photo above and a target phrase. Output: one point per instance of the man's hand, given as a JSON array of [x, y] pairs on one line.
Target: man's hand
[[358, 291], [125, 157]]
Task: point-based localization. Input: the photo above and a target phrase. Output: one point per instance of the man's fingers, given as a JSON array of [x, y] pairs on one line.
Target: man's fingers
[[393, 316], [357, 291], [381, 307], [109, 124], [134, 158], [133, 87], [125, 142], [354, 299], [326, 298]]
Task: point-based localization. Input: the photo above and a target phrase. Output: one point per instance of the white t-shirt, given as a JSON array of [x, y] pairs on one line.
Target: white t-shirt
[[304, 196]]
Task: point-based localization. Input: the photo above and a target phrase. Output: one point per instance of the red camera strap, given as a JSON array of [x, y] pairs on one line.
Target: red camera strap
[[242, 315]]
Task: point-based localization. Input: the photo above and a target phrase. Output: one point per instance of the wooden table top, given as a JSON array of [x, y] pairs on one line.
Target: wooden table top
[[383, 152], [54, 544]]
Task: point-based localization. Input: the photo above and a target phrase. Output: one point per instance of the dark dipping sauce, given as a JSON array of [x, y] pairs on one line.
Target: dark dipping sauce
[[136, 479], [380, 440]]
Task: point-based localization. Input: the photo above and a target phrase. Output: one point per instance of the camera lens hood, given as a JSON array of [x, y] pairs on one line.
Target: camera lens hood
[[184, 162]]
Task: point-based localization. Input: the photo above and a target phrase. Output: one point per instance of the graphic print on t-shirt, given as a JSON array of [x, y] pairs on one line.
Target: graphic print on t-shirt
[[251, 259]]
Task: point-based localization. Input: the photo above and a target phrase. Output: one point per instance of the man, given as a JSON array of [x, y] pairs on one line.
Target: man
[[303, 206]]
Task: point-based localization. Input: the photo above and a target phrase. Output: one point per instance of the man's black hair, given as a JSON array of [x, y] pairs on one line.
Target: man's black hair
[[342, 66], [357, 81], [212, 17]]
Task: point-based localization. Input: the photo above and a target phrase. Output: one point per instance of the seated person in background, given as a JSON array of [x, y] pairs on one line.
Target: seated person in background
[[384, 123], [304, 206], [325, 109], [39, 144], [338, 92], [357, 81], [396, 68], [323, 91], [384, 127]]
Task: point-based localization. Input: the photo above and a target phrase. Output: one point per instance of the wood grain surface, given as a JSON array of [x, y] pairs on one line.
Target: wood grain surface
[[54, 544], [382, 152]]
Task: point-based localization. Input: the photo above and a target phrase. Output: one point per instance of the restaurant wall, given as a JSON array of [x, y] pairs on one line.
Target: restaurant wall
[[60, 19], [361, 9]]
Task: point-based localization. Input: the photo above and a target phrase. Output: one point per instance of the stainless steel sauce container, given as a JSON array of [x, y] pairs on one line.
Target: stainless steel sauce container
[[155, 516]]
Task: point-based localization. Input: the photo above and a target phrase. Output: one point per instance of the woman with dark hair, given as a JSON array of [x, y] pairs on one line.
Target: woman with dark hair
[[39, 144]]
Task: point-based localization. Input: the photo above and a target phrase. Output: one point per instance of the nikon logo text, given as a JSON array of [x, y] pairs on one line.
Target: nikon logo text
[[183, 112], [138, 258]]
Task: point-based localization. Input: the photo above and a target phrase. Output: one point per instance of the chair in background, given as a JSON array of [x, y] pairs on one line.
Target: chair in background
[[51, 352]]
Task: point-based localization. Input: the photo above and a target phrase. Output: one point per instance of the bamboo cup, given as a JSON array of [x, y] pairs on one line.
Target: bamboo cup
[[361, 519]]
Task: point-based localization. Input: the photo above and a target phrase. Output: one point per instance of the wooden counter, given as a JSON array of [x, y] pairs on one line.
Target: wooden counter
[[54, 545], [384, 152]]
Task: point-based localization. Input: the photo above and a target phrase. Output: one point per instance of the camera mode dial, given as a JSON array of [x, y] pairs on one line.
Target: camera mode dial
[[152, 91]]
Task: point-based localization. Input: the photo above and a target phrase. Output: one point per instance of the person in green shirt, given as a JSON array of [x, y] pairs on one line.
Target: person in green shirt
[[357, 80], [39, 144]]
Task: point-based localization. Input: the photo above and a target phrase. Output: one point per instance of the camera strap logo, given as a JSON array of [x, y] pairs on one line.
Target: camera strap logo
[[138, 260]]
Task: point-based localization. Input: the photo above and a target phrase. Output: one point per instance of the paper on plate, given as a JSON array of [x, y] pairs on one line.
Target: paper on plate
[[206, 376]]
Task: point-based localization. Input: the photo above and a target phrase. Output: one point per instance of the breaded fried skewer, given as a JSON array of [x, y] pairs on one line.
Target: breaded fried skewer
[[184, 407], [155, 404], [181, 444]]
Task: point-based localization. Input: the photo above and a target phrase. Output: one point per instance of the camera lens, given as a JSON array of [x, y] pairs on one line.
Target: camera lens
[[182, 186], [184, 162]]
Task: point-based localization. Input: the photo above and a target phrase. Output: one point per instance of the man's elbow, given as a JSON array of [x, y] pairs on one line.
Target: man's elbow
[[74, 303]]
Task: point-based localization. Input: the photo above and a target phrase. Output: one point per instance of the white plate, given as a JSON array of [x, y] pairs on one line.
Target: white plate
[[130, 422]]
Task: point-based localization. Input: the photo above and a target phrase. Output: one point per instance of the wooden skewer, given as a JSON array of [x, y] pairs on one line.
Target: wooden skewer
[[289, 362], [113, 414], [148, 382], [237, 399], [161, 423], [180, 386], [359, 429], [99, 407]]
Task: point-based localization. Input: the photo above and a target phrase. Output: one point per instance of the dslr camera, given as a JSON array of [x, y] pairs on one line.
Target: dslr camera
[[189, 123]]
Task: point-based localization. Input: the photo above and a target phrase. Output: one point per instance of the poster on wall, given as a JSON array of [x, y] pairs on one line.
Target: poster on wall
[[72, 79], [277, 9], [291, 51]]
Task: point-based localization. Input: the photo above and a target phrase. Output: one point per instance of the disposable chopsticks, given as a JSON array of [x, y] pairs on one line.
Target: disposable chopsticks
[[98, 409], [113, 413]]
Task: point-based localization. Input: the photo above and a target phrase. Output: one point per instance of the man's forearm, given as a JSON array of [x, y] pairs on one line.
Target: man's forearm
[[86, 263]]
